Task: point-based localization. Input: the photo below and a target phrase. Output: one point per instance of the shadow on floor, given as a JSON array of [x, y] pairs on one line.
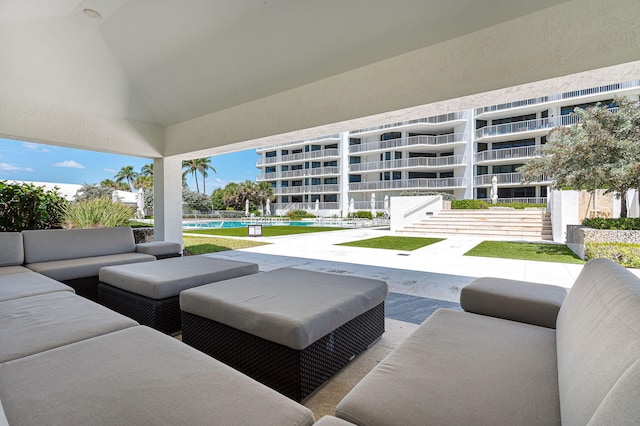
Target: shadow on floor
[[413, 309]]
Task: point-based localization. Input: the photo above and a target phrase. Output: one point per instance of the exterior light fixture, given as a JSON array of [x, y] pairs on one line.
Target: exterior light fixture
[[92, 13]]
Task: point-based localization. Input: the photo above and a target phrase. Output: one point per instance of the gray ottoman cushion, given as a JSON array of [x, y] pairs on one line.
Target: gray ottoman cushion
[[11, 249], [159, 248], [288, 306], [332, 421], [459, 368], [25, 284], [168, 277], [137, 376], [38, 323], [523, 301]]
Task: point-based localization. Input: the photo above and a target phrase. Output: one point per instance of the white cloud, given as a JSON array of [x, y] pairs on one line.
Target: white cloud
[[6, 167], [34, 147], [69, 164]]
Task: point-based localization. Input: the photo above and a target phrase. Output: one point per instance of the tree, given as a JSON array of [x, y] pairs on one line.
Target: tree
[[204, 165], [264, 192], [147, 170], [191, 166], [127, 174], [122, 186], [195, 166], [217, 199], [602, 151], [92, 191], [196, 200], [26, 206], [144, 182]]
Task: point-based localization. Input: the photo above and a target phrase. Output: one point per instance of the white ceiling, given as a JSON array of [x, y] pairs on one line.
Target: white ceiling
[[167, 77]]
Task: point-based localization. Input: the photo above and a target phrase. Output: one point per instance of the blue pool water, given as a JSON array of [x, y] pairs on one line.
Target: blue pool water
[[242, 224]]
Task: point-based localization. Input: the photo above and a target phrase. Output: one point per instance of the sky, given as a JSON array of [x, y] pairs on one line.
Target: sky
[[46, 163]]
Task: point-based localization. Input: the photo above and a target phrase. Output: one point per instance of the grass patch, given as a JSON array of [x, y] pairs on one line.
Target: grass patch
[[542, 252], [204, 245], [394, 243], [267, 231]]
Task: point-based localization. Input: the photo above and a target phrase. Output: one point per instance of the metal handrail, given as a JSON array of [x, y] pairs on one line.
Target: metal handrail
[[408, 141], [505, 178], [508, 153], [454, 182], [437, 119], [452, 160], [299, 142]]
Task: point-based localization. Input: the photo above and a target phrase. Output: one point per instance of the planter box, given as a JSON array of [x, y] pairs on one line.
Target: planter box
[[578, 236], [143, 235]]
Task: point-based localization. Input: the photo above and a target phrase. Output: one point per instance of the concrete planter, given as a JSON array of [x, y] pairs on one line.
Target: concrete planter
[[578, 236], [143, 235]]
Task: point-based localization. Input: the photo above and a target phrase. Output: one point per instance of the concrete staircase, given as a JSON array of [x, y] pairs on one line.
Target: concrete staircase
[[533, 225]]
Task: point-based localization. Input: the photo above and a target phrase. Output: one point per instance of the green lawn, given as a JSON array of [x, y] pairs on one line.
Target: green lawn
[[394, 243], [203, 245], [559, 253], [267, 231]]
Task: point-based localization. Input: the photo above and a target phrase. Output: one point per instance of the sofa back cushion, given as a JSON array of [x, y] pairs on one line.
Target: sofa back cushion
[[598, 342], [60, 244], [11, 249]]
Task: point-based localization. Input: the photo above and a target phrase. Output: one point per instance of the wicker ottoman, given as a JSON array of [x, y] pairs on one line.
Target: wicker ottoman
[[288, 328], [148, 292]]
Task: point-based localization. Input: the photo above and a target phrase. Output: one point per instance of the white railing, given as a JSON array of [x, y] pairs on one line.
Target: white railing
[[307, 189], [505, 179], [535, 200], [322, 153], [318, 171], [327, 138], [507, 154], [310, 207], [301, 156], [526, 126], [452, 160], [443, 118], [561, 96], [407, 184], [409, 141]]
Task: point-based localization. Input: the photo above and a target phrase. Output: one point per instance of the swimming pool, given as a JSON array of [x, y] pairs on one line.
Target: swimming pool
[[242, 224]]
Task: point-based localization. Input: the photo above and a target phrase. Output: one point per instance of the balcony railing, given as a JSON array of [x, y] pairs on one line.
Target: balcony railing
[[301, 156], [443, 118], [409, 141], [455, 182], [530, 200], [560, 96], [327, 138], [508, 154], [526, 126], [307, 189], [318, 171], [452, 160], [306, 206], [505, 179]]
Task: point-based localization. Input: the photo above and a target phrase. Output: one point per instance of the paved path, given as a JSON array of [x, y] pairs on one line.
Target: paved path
[[437, 271]]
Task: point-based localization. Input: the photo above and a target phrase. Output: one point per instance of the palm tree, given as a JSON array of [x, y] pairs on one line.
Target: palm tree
[[191, 166], [204, 165], [195, 166], [126, 174], [147, 170]]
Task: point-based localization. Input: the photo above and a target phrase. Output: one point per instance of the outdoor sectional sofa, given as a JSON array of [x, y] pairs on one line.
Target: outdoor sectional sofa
[[67, 360], [499, 366]]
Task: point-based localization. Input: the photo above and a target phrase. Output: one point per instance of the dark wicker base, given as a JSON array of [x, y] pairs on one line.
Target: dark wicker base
[[162, 314], [85, 287], [168, 256], [294, 373]]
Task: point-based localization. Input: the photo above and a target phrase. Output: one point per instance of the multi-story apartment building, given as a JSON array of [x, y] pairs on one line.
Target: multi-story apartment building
[[457, 153]]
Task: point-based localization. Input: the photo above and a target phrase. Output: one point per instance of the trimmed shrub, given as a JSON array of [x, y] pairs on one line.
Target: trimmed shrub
[[619, 224], [26, 206], [299, 214], [468, 205], [98, 213], [521, 205], [625, 254], [361, 214], [445, 195]]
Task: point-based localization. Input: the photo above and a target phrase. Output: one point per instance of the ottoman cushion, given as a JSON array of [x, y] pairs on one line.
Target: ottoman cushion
[[168, 277], [288, 306], [137, 376], [159, 248], [38, 323], [25, 284]]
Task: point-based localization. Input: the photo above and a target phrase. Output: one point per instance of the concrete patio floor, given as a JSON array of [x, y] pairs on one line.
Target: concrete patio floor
[[437, 272]]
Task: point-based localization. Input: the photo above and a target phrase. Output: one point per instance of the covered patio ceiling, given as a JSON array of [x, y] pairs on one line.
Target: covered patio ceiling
[[169, 80]]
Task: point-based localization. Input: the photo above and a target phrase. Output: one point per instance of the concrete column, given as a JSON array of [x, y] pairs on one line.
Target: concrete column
[[344, 174], [564, 211], [469, 151], [167, 199]]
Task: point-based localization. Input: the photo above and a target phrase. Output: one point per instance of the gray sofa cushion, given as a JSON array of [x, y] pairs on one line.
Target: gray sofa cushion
[[288, 306], [26, 284], [599, 343], [11, 249], [460, 368], [159, 248], [523, 301], [84, 267], [137, 376], [60, 244], [332, 421], [168, 277], [38, 323], [8, 270]]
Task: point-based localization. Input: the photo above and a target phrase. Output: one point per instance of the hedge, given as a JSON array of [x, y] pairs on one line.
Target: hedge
[[619, 224], [468, 205], [625, 254]]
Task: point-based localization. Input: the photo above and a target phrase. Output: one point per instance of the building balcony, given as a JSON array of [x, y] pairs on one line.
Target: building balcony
[[388, 185], [609, 88], [510, 154], [306, 206], [328, 138], [506, 179], [536, 127], [409, 163], [413, 141], [318, 171], [524, 200], [307, 189], [302, 156], [435, 120]]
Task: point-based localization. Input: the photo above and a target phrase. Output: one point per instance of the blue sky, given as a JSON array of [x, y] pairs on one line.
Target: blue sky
[[47, 163]]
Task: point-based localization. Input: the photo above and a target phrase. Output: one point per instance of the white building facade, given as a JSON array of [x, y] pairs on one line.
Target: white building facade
[[457, 153]]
